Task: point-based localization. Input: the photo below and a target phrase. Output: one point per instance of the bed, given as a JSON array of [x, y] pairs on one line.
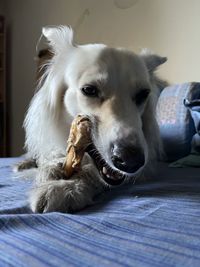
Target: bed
[[156, 223]]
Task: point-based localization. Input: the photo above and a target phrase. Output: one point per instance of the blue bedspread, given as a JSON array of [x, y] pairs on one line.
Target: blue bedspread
[[151, 224]]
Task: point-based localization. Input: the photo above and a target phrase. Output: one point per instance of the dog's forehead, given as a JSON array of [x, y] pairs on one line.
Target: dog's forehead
[[83, 64], [110, 65], [123, 64]]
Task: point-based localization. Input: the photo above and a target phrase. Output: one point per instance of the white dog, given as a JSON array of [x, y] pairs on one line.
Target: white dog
[[118, 90]]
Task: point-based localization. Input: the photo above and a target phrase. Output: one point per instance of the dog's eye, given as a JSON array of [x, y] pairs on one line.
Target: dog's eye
[[141, 96], [90, 90]]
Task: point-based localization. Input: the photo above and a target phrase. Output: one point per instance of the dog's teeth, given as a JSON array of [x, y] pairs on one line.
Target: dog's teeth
[[104, 170]]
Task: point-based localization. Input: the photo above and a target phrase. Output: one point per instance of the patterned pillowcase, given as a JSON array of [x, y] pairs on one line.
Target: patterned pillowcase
[[174, 119], [194, 108]]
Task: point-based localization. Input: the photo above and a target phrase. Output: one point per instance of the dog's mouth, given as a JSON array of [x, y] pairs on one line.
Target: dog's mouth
[[108, 174]]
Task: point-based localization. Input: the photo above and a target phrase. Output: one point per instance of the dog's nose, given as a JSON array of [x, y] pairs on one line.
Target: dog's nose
[[127, 158]]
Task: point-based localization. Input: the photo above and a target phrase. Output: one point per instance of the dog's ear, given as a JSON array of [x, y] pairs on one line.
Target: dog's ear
[[152, 61], [59, 37]]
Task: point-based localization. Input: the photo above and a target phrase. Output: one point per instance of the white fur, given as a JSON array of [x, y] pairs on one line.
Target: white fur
[[119, 74]]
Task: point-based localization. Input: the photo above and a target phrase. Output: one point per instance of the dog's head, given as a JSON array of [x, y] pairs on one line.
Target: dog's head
[[116, 88]]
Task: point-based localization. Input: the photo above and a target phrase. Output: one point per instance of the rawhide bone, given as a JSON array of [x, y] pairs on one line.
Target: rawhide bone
[[78, 141]]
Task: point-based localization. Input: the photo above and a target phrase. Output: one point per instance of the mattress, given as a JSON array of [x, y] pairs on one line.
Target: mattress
[[154, 223]]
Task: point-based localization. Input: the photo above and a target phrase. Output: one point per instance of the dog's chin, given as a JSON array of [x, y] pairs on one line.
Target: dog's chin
[[108, 174]]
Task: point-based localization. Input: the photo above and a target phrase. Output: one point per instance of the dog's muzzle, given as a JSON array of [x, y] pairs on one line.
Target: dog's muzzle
[[109, 175], [127, 160]]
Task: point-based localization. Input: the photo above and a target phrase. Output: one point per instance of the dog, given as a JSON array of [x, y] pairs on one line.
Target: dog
[[118, 90]]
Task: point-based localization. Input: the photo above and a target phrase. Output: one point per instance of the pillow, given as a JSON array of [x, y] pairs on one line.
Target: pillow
[[174, 119], [194, 108]]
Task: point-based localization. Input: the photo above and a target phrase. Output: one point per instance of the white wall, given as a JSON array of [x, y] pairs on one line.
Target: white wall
[[169, 27]]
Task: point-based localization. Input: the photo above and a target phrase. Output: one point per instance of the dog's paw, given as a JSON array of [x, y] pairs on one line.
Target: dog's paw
[[60, 195], [57, 172], [25, 165]]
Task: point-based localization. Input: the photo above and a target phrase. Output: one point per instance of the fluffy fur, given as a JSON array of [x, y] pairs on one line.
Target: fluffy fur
[[119, 75]]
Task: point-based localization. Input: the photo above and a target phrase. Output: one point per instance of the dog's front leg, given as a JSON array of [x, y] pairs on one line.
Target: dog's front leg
[[67, 195]]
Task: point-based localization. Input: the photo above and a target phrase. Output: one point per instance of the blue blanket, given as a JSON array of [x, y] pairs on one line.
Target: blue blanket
[[147, 224]]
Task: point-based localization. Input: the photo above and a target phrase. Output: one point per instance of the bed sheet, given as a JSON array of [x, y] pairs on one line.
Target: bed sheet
[[146, 224]]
